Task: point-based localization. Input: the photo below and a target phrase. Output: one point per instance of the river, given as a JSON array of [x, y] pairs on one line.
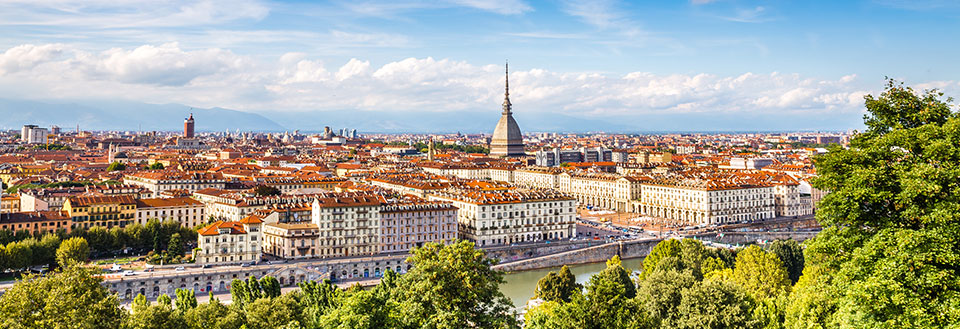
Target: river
[[520, 286]]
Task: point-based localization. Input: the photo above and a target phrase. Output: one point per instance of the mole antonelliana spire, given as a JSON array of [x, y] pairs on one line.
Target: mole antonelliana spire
[[507, 139]]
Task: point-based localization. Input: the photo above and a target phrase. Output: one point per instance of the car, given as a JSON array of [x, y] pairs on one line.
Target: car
[[129, 273], [205, 266], [245, 265], [180, 269]]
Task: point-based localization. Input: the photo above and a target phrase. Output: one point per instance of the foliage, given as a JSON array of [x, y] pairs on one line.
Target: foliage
[[715, 304], [73, 251], [791, 255], [887, 255], [453, 286], [761, 274], [116, 166], [155, 166], [71, 298], [558, 286], [186, 299]]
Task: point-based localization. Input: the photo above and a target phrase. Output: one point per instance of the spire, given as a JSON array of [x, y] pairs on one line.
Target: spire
[[506, 92]]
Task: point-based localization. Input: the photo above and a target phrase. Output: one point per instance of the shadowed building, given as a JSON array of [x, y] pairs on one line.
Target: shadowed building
[[507, 140]]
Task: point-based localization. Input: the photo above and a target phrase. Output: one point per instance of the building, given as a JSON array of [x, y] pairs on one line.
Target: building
[[230, 242], [601, 190], [32, 134], [537, 177], [709, 197], [491, 217], [165, 180], [349, 224], [9, 204], [188, 127], [291, 240], [186, 211], [107, 211], [411, 224], [507, 139], [35, 222], [557, 157]]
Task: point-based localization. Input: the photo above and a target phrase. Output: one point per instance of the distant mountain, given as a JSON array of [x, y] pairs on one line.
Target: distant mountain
[[437, 122], [130, 116], [127, 116]]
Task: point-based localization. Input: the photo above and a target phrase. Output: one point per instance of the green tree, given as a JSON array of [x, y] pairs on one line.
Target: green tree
[[46, 250], [270, 286], [317, 299], [186, 299], [70, 298], [155, 166], [159, 316], [887, 255], [660, 294], [19, 255], [715, 305], [664, 249], [116, 166], [791, 255], [557, 286], [175, 246], [213, 315], [453, 286], [761, 274], [73, 251], [270, 313]]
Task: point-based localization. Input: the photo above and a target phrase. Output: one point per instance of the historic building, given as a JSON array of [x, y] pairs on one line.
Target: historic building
[[230, 242], [410, 224], [185, 211], [507, 140], [188, 127]]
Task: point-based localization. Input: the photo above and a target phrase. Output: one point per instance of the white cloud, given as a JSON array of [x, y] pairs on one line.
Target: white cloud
[[26, 57], [295, 82], [600, 13]]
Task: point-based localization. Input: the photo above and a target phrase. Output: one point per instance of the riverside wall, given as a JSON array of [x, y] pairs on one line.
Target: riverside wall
[[593, 254]]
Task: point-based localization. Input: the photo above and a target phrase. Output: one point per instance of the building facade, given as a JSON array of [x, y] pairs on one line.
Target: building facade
[[230, 242], [186, 211], [407, 225]]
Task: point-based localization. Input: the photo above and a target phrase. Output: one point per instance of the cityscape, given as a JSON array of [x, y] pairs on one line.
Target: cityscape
[[139, 196]]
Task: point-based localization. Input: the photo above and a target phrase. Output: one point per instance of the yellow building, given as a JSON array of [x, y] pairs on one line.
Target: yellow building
[[107, 211]]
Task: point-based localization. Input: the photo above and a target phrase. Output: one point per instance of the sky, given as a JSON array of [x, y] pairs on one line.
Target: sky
[[605, 58]]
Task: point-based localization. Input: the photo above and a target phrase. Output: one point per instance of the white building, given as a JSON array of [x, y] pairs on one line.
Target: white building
[[502, 216], [230, 242], [159, 181], [32, 134], [348, 223]]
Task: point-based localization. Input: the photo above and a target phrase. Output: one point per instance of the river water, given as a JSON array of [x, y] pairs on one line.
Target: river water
[[520, 286]]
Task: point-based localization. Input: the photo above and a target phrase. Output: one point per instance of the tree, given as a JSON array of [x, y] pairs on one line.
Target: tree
[[186, 299], [761, 274], [45, 251], [270, 286], [175, 246], [159, 316], [664, 249], [453, 286], [70, 298], [19, 255], [661, 293], [116, 166], [155, 166], [73, 251], [270, 313], [791, 255], [715, 304], [264, 190], [557, 286], [213, 315], [364, 309], [887, 255], [317, 299]]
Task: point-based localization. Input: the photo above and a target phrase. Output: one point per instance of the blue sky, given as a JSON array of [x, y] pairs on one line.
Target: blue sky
[[628, 58]]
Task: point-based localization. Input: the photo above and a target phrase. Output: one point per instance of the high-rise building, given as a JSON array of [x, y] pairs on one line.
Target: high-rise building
[[32, 134], [507, 140], [188, 127]]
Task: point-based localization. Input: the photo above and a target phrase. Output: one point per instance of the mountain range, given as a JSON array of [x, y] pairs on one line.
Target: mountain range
[[133, 116]]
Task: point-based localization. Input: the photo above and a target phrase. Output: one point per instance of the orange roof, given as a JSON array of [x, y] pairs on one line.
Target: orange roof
[[167, 202], [214, 228], [252, 219]]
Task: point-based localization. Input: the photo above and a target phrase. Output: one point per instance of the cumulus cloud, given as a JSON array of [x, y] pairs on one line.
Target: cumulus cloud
[[296, 81]]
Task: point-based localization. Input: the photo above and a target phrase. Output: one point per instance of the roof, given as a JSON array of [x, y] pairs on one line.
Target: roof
[[252, 219], [83, 201], [167, 202], [214, 228]]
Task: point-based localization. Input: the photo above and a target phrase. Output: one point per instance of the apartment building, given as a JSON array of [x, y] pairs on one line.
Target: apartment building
[[349, 224], [159, 181], [408, 224], [107, 211], [504, 216], [224, 242], [601, 190], [186, 211], [291, 240], [709, 198], [537, 177]]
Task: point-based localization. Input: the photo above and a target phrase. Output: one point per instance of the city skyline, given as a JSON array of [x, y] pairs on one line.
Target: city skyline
[[707, 64]]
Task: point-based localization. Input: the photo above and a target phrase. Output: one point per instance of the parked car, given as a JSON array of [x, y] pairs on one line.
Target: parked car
[[129, 273], [180, 269]]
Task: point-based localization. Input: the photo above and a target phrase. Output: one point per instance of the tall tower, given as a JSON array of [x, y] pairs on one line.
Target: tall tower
[[188, 127], [507, 139]]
